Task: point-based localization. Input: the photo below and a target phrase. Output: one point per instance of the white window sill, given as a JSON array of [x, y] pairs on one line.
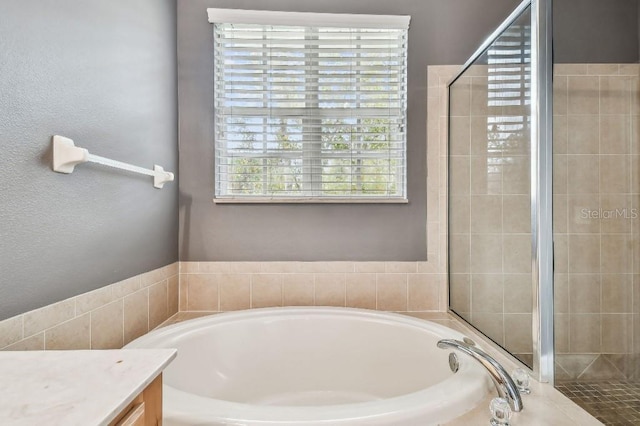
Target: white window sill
[[291, 200]]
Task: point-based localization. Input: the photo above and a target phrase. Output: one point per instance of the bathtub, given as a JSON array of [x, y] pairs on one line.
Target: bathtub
[[313, 366]]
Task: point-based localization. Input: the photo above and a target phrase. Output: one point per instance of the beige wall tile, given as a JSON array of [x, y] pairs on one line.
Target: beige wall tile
[[618, 208], [635, 174], [266, 290], [459, 215], [187, 267], [617, 293], [560, 213], [361, 290], [560, 174], [584, 253], [561, 293], [584, 293], [158, 298], [214, 267], [584, 334], [583, 174], [460, 289], [460, 131], [402, 267], [33, 343], [202, 292], [518, 333], [460, 257], [616, 333], [517, 175], [48, 316], [107, 326], [614, 174], [485, 253], [235, 292], [518, 295], [561, 333], [152, 277], [615, 134], [616, 254], [480, 136], [487, 293], [136, 315], [298, 289], [73, 334], [491, 324], [94, 299], [423, 292], [173, 295], [560, 133], [326, 267], [583, 134], [125, 287], [561, 253], [629, 69], [569, 69], [184, 291], [280, 267], [430, 266], [479, 96], [581, 209], [391, 292], [603, 69], [517, 253], [10, 331], [172, 269], [516, 213], [460, 101], [615, 95], [486, 214], [360, 267], [459, 175], [560, 95], [583, 95], [330, 289]]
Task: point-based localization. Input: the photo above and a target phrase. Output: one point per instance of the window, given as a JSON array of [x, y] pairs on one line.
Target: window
[[309, 107]]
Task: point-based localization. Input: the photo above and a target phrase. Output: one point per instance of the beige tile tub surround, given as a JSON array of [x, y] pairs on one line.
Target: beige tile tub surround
[[106, 318], [596, 116], [387, 286]]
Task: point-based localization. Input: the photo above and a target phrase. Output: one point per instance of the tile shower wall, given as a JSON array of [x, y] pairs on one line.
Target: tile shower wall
[[387, 286], [489, 217], [107, 318], [596, 200]]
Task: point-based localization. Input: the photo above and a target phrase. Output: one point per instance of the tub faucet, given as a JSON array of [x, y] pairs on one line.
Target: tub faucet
[[505, 386]]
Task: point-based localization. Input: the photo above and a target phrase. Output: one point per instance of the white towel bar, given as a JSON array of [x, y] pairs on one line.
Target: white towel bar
[[66, 156]]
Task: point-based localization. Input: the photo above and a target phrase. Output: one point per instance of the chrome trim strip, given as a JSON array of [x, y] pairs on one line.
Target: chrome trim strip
[[542, 189], [494, 35]]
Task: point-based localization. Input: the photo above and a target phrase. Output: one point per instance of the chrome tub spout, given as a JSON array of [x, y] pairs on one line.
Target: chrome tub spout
[[505, 386]]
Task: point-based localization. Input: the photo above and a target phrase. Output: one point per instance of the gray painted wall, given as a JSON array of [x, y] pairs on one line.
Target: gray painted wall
[[442, 32], [102, 73], [595, 31]]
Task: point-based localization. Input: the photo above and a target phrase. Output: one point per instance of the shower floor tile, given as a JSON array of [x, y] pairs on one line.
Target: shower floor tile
[[614, 403]]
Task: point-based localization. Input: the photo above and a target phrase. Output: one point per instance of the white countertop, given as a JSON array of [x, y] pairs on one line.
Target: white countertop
[[69, 388]]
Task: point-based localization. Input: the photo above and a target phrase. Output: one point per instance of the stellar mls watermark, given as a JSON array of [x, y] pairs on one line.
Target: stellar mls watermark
[[624, 213]]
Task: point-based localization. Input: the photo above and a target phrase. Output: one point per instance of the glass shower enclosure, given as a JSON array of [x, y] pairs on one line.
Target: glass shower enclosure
[[499, 189], [543, 198]]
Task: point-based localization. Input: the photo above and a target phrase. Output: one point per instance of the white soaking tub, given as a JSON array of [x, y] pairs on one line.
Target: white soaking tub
[[313, 366]]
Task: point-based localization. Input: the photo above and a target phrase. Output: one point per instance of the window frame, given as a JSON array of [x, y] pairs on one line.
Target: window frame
[[311, 20]]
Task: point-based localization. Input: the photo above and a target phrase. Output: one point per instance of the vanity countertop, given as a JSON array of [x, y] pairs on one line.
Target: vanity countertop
[[89, 387]]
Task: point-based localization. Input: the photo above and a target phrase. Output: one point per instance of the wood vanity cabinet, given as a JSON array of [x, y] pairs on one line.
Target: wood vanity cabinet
[[145, 409]]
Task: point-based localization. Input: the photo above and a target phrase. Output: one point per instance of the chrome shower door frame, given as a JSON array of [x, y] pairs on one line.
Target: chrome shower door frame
[[541, 177]]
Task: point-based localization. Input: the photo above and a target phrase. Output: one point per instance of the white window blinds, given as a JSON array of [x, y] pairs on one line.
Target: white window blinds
[[310, 109]]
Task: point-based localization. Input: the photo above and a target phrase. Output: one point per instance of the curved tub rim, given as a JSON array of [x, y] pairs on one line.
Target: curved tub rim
[[473, 391]]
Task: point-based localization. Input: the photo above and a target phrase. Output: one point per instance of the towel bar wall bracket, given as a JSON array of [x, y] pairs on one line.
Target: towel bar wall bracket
[[66, 156]]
